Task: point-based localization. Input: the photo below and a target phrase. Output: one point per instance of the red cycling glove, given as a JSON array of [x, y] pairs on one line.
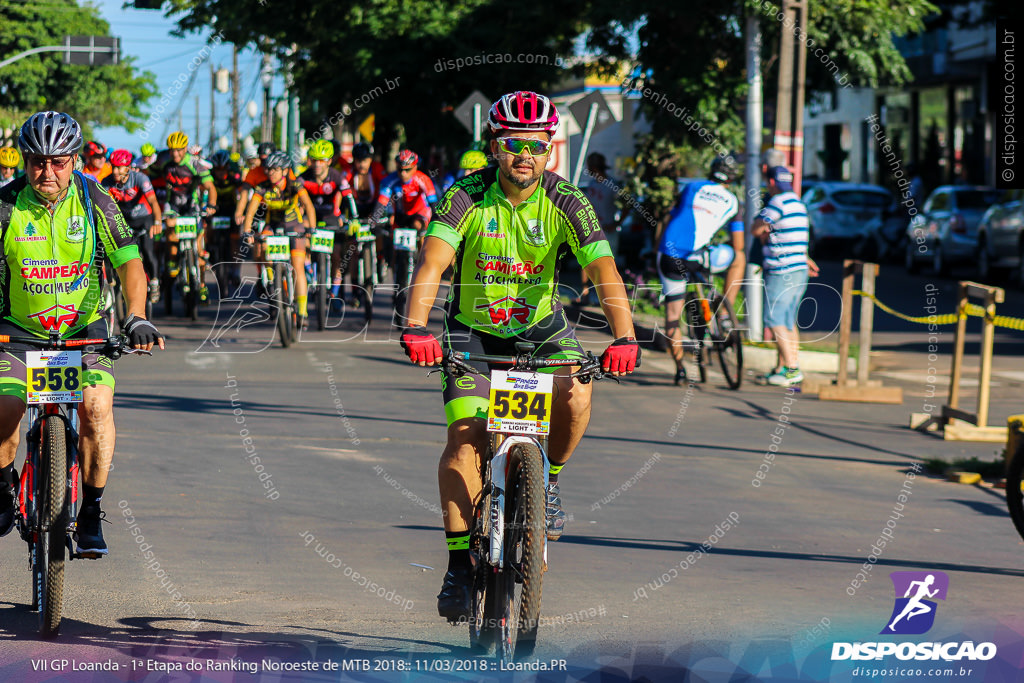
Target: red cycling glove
[[420, 345], [623, 355]]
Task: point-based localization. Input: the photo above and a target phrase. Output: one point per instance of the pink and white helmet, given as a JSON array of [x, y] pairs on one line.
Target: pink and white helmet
[[523, 110]]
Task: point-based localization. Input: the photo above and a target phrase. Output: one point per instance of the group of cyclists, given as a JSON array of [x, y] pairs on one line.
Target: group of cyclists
[[254, 193], [501, 233]]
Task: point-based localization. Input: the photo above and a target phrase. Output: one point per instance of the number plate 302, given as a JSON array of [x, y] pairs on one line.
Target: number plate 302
[[54, 376], [520, 403]]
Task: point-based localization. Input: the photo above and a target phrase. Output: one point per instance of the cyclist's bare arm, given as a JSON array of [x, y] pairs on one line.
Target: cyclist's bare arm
[[244, 197], [435, 255], [250, 212], [134, 286], [308, 212], [614, 301]]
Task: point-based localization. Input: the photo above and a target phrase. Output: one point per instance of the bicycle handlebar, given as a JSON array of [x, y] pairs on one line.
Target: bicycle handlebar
[[457, 363], [112, 347]]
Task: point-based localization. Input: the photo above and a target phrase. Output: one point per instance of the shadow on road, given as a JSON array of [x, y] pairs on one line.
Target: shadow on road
[[695, 546]]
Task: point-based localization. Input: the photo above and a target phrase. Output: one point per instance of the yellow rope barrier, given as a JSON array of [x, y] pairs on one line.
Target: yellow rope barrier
[[973, 310]]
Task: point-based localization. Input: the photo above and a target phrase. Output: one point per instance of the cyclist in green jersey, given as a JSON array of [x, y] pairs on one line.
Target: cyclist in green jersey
[[52, 248], [507, 229]]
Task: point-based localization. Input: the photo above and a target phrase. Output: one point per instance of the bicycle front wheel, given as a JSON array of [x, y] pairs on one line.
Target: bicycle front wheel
[[322, 285], [694, 313], [364, 289], [1014, 495], [728, 341], [190, 282], [517, 598], [48, 554]]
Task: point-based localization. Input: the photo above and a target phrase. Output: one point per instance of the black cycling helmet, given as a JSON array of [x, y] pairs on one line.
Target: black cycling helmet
[[220, 158], [278, 160], [362, 150], [50, 133], [725, 169], [265, 149]]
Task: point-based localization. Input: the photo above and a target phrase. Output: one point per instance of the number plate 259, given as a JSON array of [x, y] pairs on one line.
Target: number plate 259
[[520, 403], [54, 376]]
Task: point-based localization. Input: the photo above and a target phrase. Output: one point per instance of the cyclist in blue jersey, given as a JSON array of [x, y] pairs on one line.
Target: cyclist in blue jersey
[[703, 208]]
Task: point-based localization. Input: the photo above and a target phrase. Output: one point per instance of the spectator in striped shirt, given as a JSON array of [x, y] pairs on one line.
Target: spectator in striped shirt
[[783, 229]]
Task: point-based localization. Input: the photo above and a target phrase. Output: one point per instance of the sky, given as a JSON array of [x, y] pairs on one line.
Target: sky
[[146, 35]]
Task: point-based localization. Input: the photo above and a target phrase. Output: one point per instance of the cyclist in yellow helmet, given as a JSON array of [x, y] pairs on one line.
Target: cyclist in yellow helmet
[[10, 158]]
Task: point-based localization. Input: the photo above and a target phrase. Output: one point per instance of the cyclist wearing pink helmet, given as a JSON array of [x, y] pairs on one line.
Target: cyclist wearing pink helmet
[[506, 230]]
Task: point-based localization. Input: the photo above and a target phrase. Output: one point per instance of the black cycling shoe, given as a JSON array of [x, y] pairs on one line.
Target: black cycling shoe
[[554, 515], [88, 534], [6, 508], [681, 376], [453, 600]]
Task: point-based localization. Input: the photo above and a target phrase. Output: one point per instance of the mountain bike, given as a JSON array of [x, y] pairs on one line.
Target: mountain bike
[[278, 280], [219, 246], [508, 534], [188, 280], [404, 247], [47, 510], [365, 274], [318, 276], [713, 325]]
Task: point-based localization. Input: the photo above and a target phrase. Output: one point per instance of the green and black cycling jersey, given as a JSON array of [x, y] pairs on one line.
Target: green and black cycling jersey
[[182, 182], [508, 258], [49, 278]]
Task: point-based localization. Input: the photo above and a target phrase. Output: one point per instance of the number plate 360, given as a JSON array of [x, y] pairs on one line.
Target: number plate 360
[[520, 403], [54, 376]]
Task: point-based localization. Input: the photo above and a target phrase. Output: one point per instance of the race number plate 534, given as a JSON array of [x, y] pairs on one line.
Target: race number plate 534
[[54, 376], [520, 403]]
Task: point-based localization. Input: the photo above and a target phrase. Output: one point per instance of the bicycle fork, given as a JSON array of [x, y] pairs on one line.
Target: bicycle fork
[[499, 473]]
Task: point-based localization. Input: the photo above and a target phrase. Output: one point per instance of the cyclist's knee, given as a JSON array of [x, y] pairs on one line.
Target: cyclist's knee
[[466, 438], [574, 395], [97, 406], [12, 409]]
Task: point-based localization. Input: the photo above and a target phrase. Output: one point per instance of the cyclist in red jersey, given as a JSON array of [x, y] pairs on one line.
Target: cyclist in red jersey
[[135, 197], [96, 165], [411, 190]]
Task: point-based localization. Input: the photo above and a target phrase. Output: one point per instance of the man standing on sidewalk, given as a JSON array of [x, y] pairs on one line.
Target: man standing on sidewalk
[[783, 229]]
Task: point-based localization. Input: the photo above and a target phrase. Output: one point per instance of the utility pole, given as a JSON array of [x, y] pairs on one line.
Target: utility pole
[[213, 109], [752, 289], [784, 103], [234, 98], [798, 100], [789, 109], [267, 77]]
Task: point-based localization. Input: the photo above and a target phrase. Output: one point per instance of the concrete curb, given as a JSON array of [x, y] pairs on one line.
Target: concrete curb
[[761, 359]]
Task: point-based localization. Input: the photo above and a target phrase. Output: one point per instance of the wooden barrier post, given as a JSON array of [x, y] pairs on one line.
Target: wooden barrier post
[[958, 424], [863, 390]]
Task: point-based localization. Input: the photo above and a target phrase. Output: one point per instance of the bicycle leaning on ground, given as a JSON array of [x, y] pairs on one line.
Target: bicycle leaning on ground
[[508, 534], [47, 509], [713, 325]]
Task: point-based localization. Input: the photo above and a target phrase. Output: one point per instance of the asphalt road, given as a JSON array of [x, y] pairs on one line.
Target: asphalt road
[[257, 563]]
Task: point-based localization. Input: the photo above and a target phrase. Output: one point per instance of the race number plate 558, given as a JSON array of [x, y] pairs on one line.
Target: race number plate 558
[[54, 376], [520, 403]]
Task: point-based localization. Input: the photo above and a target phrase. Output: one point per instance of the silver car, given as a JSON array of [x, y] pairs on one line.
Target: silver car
[[1001, 239], [840, 213], [946, 230]]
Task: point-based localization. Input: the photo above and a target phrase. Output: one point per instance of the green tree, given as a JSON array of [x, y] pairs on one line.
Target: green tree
[[105, 95], [347, 53]]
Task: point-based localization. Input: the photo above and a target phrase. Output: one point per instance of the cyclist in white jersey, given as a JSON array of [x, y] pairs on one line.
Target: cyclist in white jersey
[[703, 208]]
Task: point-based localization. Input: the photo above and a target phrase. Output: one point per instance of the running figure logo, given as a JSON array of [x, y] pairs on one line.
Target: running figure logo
[[913, 614]]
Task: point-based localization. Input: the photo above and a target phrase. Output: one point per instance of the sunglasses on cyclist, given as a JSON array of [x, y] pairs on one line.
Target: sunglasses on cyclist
[[58, 163], [517, 145]]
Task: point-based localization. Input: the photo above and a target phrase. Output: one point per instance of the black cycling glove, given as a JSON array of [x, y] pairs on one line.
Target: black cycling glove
[[140, 331]]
